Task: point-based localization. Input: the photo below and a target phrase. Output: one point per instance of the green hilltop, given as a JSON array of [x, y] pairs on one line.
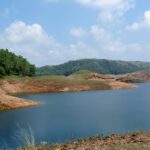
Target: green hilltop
[[101, 66], [11, 64]]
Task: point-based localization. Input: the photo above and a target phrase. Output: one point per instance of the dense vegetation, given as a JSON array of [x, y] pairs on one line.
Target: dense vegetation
[[11, 64], [95, 65]]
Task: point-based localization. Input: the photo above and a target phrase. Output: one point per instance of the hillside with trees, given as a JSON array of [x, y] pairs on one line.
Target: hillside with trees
[[101, 66], [11, 64]]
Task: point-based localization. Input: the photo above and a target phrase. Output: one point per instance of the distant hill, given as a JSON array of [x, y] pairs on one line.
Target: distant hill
[[101, 66]]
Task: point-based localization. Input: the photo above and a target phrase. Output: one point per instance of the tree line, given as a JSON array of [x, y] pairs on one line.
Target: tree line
[[102, 66], [11, 64]]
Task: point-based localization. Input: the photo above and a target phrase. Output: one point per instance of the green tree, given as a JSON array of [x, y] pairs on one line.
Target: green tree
[[11, 64], [2, 72]]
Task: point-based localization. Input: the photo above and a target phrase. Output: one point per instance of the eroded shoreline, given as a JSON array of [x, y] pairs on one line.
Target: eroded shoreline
[[130, 141], [50, 84]]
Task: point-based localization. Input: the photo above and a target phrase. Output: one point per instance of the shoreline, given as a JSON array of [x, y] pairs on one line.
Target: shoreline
[[8, 102], [129, 141], [113, 142], [9, 88]]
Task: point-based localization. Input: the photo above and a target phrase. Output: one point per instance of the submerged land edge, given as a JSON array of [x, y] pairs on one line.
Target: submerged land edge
[[10, 87]]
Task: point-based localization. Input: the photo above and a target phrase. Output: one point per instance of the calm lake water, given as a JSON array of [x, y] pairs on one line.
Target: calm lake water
[[67, 116]]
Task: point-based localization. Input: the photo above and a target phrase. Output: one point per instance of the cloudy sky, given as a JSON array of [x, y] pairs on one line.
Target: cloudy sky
[[49, 32]]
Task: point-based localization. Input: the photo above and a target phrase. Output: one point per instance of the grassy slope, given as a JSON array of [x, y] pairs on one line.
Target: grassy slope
[[78, 81]]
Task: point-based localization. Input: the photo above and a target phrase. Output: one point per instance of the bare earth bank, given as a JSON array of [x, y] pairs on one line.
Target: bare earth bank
[[50, 84], [131, 141], [8, 102]]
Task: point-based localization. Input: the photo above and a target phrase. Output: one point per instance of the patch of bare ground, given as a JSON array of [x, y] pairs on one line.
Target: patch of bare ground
[[112, 81], [135, 77], [8, 102], [52, 84], [121, 85], [131, 141]]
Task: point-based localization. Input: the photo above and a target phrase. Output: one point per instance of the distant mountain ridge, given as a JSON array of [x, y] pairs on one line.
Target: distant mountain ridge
[[102, 66]]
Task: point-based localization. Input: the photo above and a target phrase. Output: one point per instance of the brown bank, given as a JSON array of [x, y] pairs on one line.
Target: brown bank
[[7, 101], [131, 141], [9, 87]]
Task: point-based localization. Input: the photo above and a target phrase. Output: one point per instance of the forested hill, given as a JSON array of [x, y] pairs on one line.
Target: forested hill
[[102, 66], [11, 64]]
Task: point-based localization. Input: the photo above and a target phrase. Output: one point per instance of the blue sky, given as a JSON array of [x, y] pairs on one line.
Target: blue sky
[[49, 32]]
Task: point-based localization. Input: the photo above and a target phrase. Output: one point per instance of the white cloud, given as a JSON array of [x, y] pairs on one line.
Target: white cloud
[[78, 32], [113, 47], [106, 40], [82, 50], [74, 51], [21, 33], [142, 24], [32, 42], [109, 8]]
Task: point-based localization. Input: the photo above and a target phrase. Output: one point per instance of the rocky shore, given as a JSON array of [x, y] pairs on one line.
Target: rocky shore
[[131, 141]]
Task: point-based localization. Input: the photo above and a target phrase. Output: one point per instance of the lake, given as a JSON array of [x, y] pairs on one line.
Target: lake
[[68, 116]]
